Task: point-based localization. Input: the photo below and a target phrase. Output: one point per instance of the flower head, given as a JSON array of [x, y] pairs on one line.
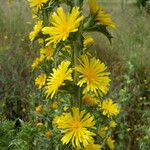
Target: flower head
[[112, 124], [57, 78], [75, 126], [62, 25], [48, 134], [37, 3], [37, 28], [102, 132], [100, 15], [88, 41], [110, 143], [93, 147], [39, 108], [40, 80], [47, 52], [93, 74], [109, 108], [90, 99], [37, 62]]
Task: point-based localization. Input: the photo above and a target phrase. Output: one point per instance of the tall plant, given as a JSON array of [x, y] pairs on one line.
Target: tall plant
[[72, 109]]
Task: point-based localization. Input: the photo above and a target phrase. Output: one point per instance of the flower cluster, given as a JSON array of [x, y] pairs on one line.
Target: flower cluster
[[72, 82]]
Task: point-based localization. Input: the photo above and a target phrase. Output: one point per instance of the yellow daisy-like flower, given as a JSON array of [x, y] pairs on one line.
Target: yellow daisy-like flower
[[39, 108], [54, 105], [109, 108], [112, 124], [101, 16], [47, 52], [37, 3], [40, 80], [93, 74], [48, 134], [57, 78], [88, 41], [110, 143], [102, 131], [90, 99], [62, 25], [74, 127], [37, 62], [36, 29], [93, 147]]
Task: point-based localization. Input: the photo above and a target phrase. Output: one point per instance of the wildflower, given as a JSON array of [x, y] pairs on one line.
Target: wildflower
[[88, 40], [109, 108], [75, 126], [57, 78], [102, 131], [112, 124], [93, 147], [110, 143], [39, 108], [62, 25], [48, 134], [41, 41], [89, 99], [38, 3], [47, 52], [101, 16], [37, 62], [93, 74], [37, 28], [40, 80], [54, 105]]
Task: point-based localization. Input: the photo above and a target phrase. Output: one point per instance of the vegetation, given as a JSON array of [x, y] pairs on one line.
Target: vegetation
[[127, 58]]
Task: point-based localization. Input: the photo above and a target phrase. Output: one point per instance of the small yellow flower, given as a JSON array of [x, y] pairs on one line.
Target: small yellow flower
[[57, 78], [41, 41], [40, 80], [102, 131], [39, 109], [62, 25], [112, 124], [88, 41], [110, 143], [90, 99], [47, 52], [65, 108], [37, 3], [93, 147], [48, 134], [37, 28], [101, 16], [38, 61], [109, 108], [54, 105]]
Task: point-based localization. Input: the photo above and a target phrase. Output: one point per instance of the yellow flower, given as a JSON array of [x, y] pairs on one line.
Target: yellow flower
[[112, 124], [40, 80], [109, 108], [102, 131], [37, 62], [93, 147], [93, 74], [38, 3], [36, 29], [54, 105], [39, 108], [48, 134], [88, 41], [101, 16], [41, 41], [110, 143], [75, 126], [47, 52], [90, 99], [62, 25], [57, 78]]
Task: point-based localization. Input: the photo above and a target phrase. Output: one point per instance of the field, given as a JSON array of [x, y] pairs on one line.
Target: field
[[127, 58]]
